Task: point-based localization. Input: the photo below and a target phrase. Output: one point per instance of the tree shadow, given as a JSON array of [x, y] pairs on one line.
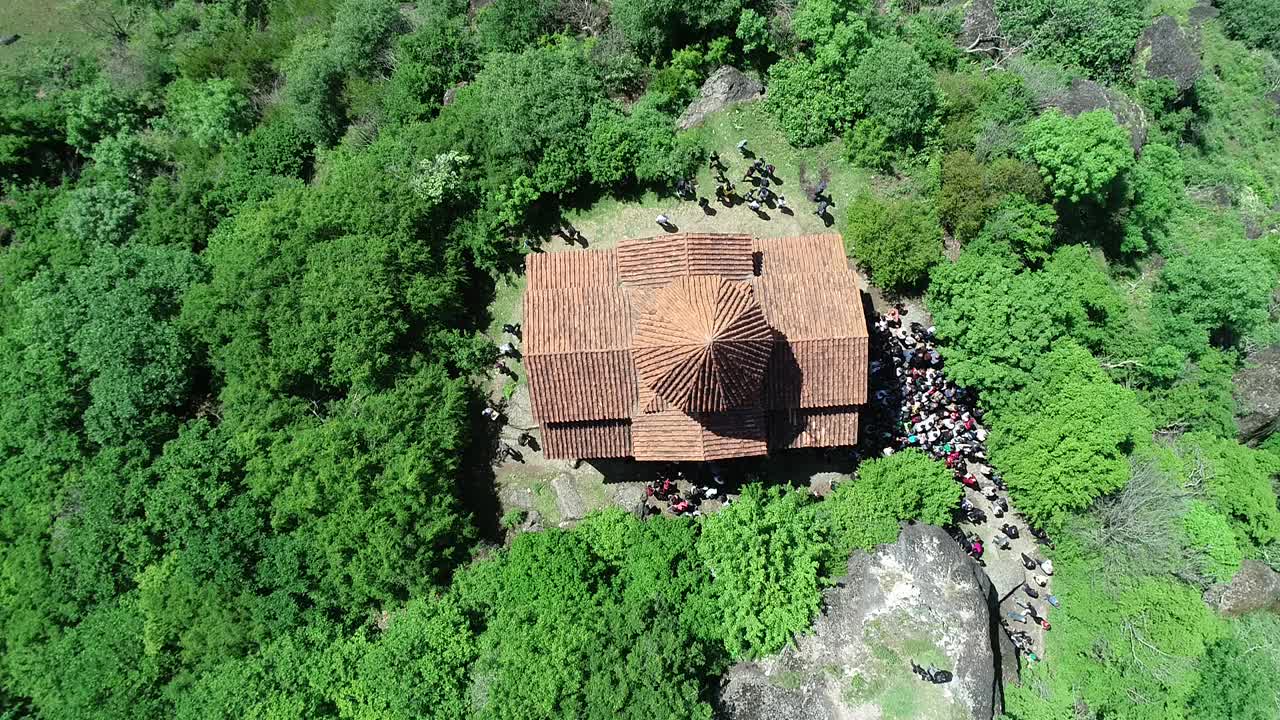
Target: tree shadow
[[477, 489]]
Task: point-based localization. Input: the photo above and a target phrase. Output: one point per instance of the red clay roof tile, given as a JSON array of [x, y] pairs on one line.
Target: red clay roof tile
[[817, 427], [668, 322], [587, 440]]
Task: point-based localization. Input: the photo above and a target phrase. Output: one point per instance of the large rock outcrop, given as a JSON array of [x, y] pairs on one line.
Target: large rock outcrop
[[726, 86], [980, 30], [1255, 587], [1086, 95], [920, 599], [1257, 391], [1168, 52]]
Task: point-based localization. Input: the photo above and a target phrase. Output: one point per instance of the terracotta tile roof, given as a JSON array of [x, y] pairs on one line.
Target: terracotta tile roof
[[818, 373], [674, 348], [673, 435], [561, 320], [819, 427], [656, 261], [821, 360], [587, 268], [576, 353], [813, 306], [595, 439], [560, 391], [801, 254], [704, 345]]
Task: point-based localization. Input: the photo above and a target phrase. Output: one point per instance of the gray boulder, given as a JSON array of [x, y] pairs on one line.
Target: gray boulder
[[919, 600], [1255, 587], [451, 94], [1257, 391], [1167, 51], [9, 39], [980, 30], [568, 500], [1202, 12], [1086, 95], [725, 87]]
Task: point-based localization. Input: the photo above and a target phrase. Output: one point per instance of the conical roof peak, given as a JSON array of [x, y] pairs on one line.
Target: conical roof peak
[[703, 345]]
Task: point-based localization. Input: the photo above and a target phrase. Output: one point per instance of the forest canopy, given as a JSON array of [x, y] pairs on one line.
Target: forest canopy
[[250, 252]]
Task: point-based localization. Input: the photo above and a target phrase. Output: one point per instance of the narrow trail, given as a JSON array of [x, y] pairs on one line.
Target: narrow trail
[[915, 406]]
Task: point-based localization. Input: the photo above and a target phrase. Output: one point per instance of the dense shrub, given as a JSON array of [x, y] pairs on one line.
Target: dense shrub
[[1154, 187], [1213, 293], [1097, 36], [211, 113], [866, 511], [810, 105], [1210, 534], [895, 89], [896, 241], [1253, 21], [513, 25], [983, 305], [764, 552], [971, 190], [656, 27], [1079, 157], [1067, 437], [1236, 480], [1026, 228]]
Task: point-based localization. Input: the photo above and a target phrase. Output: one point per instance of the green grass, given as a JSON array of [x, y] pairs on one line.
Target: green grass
[[887, 681], [42, 24], [539, 486], [788, 680], [610, 219]]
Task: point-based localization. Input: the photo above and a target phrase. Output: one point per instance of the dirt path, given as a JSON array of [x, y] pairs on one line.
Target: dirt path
[[1005, 567]]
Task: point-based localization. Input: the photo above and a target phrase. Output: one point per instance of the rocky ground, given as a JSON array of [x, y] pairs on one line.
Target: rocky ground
[[919, 600]]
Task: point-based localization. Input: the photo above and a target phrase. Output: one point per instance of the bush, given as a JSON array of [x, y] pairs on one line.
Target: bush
[[1236, 480], [1213, 293], [896, 241], [362, 34], [1095, 35], [896, 90], [103, 213], [313, 86], [811, 94], [810, 105], [867, 510], [1234, 681], [100, 111], [656, 27], [1197, 397], [1067, 438], [1154, 189], [513, 25], [1209, 534], [429, 61], [1253, 21], [971, 190], [1079, 157], [996, 320], [526, 115], [211, 113], [764, 554], [1024, 227]]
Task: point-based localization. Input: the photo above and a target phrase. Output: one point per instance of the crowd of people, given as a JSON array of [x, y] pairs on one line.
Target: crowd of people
[[916, 406], [761, 194], [684, 492]]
